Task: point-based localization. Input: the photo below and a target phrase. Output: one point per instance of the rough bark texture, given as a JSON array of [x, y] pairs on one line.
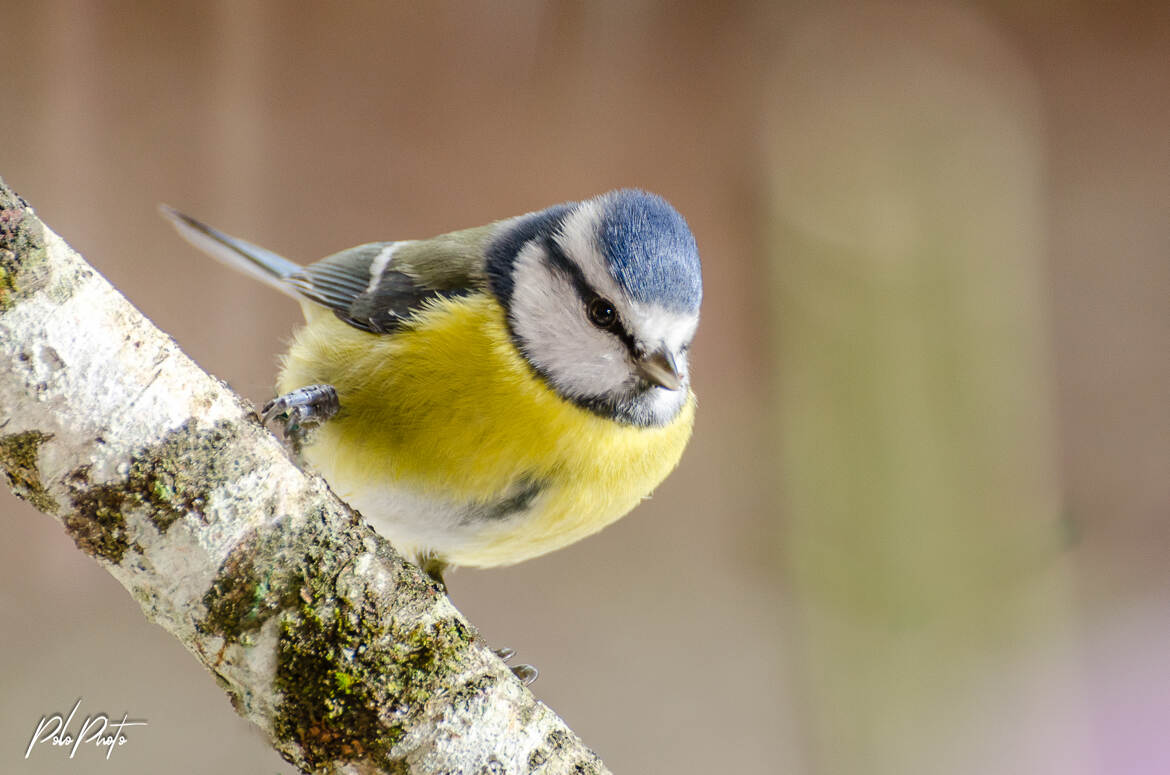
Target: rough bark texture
[[318, 631]]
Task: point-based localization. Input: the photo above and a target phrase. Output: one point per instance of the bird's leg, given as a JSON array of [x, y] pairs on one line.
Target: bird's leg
[[433, 565], [302, 410]]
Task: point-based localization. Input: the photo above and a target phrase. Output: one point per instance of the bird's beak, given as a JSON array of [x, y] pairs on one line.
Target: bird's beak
[[659, 369]]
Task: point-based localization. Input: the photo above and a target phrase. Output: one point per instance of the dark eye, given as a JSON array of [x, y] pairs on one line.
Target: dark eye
[[601, 313]]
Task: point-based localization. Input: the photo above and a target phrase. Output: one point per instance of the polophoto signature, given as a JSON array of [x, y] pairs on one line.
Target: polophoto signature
[[98, 730]]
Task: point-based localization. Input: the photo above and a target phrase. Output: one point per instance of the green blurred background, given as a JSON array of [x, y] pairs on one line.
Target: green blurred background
[[922, 526]]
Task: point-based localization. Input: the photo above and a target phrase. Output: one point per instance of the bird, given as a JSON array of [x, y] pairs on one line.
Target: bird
[[492, 394]]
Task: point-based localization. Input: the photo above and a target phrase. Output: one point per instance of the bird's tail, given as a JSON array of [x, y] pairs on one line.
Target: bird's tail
[[264, 265]]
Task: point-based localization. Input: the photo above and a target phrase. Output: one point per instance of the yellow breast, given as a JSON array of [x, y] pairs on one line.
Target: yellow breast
[[448, 411]]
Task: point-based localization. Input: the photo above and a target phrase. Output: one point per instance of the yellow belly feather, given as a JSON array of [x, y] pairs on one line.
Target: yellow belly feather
[[448, 409]]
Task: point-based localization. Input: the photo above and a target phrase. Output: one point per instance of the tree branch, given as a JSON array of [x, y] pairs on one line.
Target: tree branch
[[347, 657]]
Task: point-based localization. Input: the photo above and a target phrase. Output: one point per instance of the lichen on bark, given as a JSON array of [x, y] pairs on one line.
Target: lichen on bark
[[18, 458]]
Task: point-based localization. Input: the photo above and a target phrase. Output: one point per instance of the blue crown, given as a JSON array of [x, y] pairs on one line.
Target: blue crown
[[650, 250]]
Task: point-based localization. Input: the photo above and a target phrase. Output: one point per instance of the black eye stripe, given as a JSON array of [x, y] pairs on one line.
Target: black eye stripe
[[561, 263], [571, 271]]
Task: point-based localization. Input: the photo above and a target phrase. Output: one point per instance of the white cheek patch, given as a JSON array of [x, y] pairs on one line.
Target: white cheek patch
[[549, 319]]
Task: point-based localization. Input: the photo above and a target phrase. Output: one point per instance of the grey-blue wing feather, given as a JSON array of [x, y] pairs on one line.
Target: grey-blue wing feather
[[368, 288], [374, 287], [334, 282]]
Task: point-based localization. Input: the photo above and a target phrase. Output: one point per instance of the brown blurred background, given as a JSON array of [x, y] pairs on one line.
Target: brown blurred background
[[922, 526]]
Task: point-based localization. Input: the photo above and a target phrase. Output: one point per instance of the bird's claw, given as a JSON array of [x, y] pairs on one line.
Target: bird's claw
[[526, 673]]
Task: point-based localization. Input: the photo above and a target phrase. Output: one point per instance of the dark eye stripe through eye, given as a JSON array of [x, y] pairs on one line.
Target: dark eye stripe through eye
[[589, 297], [561, 263]]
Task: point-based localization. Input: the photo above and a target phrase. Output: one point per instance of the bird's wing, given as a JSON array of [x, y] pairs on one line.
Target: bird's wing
[[377, 286]]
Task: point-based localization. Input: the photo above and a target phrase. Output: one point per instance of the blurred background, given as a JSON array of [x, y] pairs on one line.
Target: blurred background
[[922, 526]]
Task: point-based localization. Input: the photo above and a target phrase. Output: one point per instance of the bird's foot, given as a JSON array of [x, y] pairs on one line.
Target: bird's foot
[[302, 410], [526, 673]]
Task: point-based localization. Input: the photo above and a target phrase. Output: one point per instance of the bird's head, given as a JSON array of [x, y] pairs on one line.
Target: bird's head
[[602, 299]]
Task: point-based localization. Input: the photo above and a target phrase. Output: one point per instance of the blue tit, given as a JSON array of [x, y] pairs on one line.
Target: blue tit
[[493, 394]]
